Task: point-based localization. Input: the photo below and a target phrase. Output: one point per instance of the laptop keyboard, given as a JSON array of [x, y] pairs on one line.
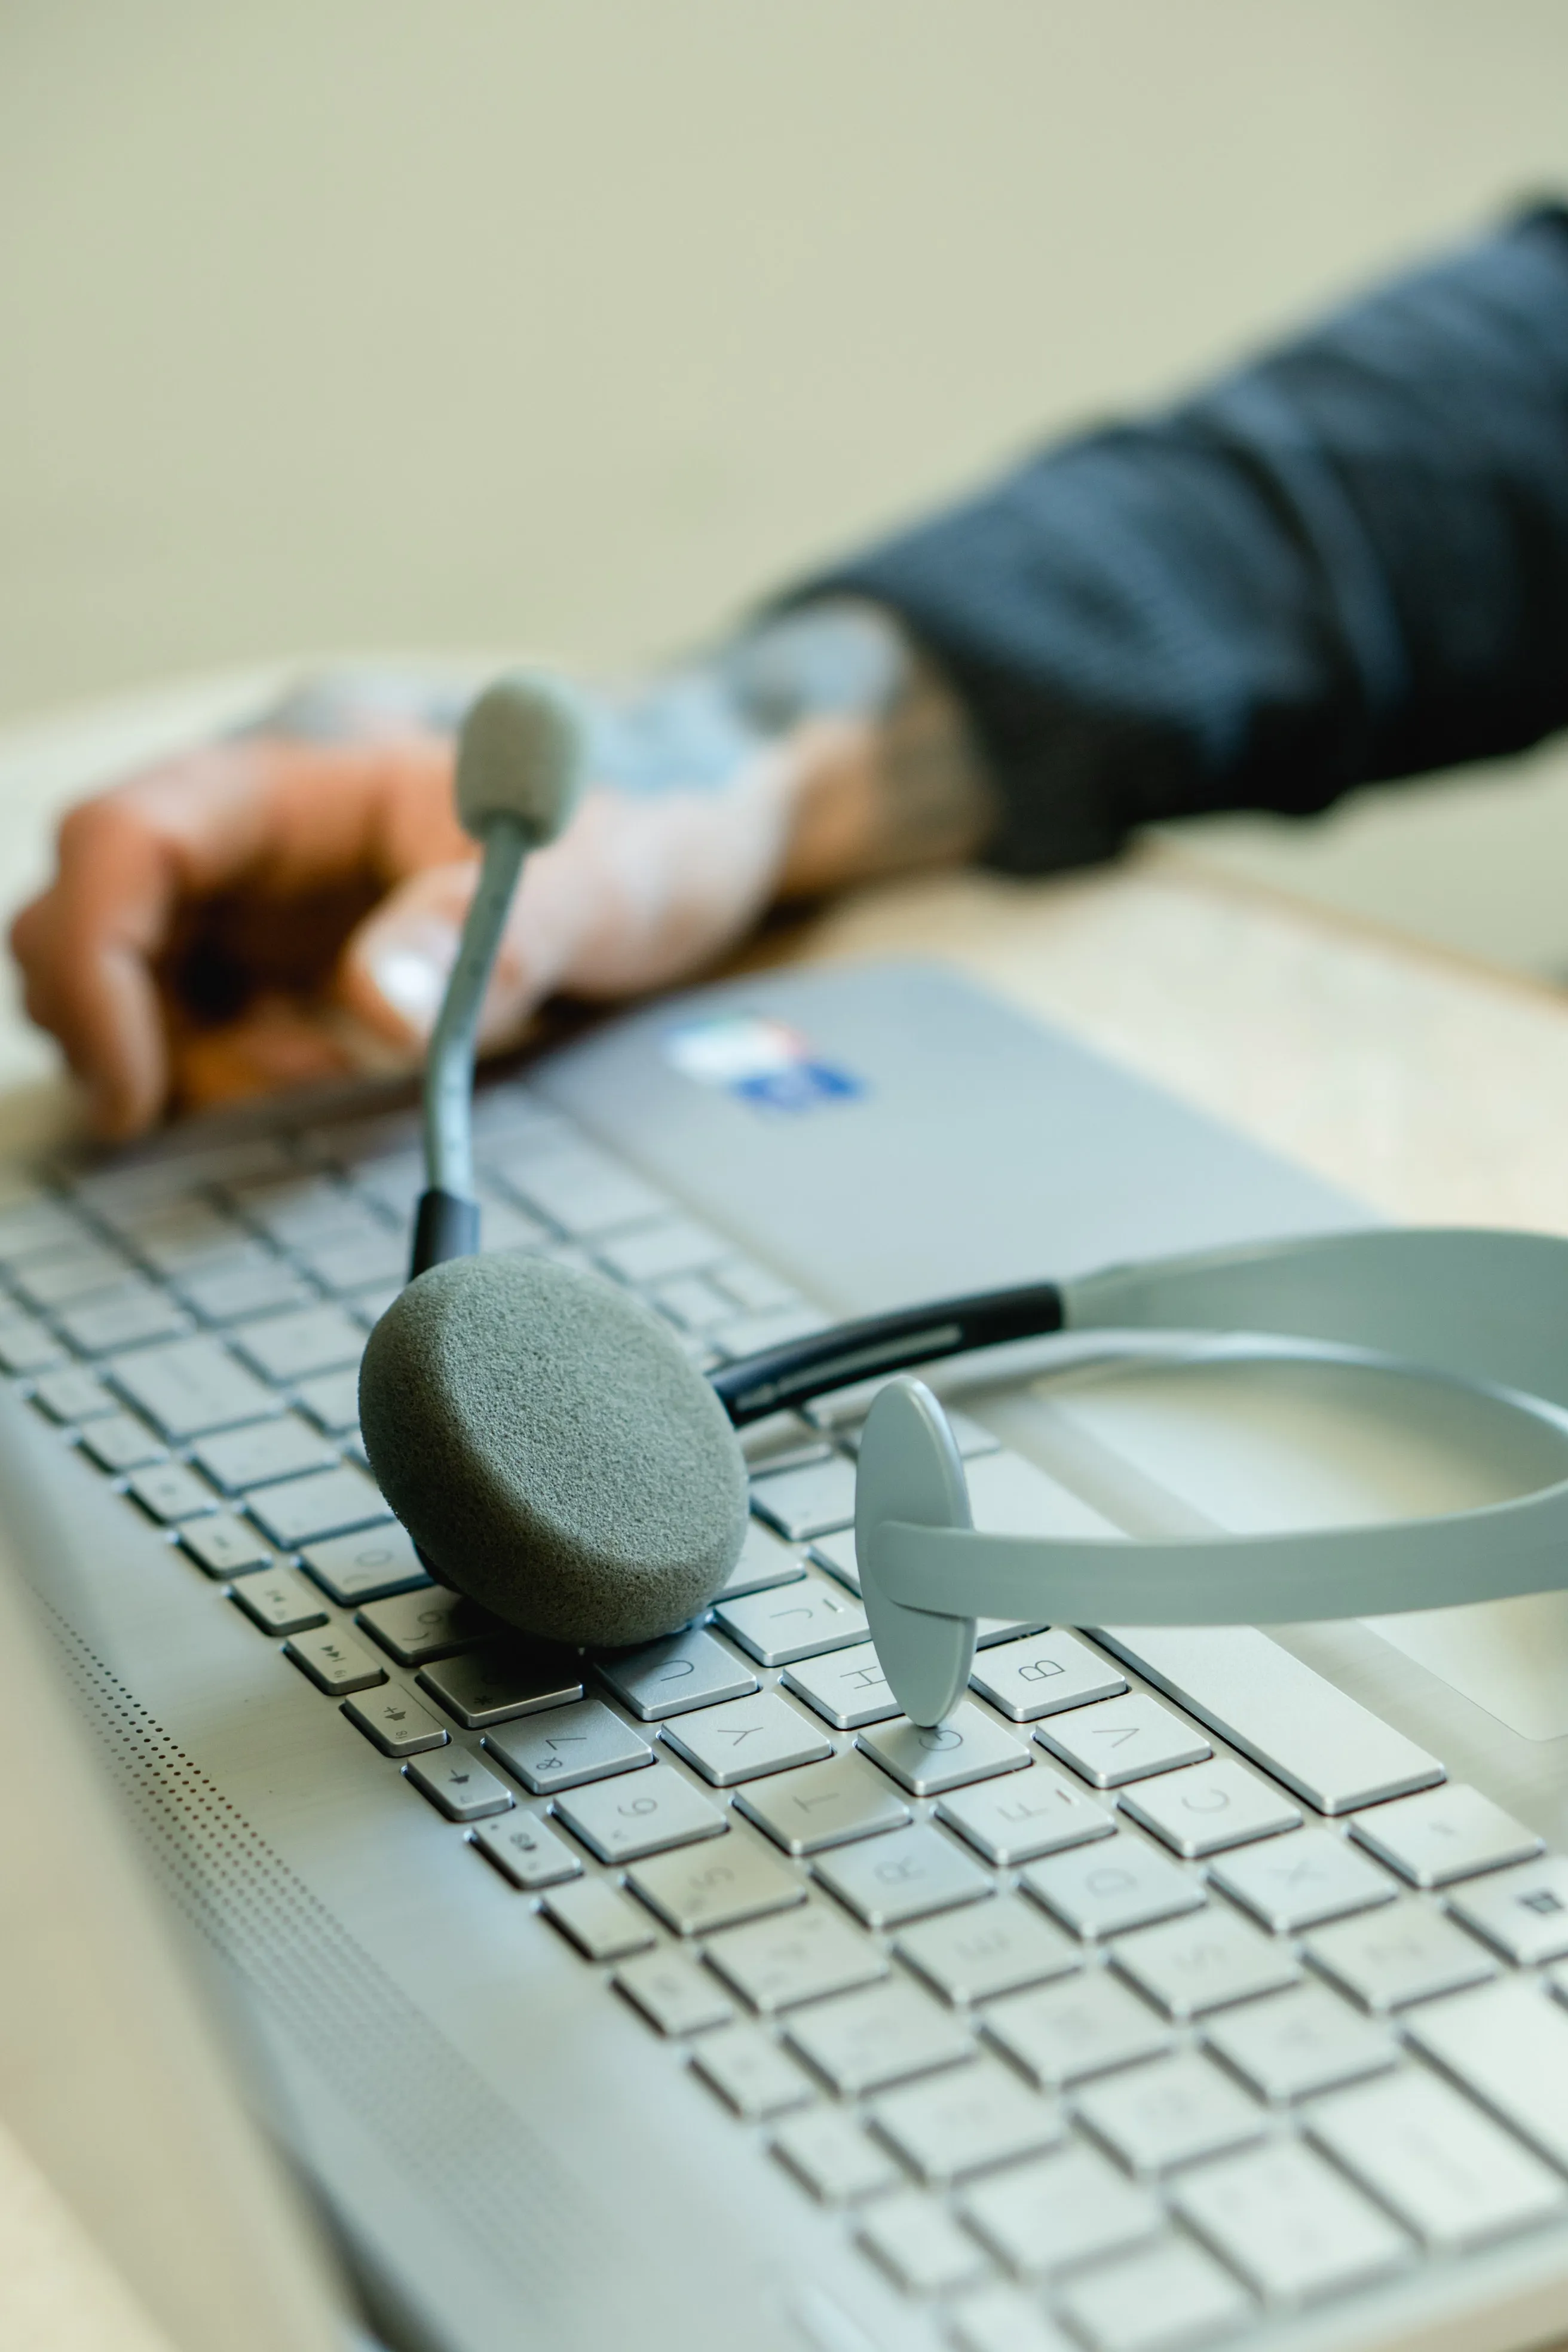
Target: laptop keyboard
[[1160, 1988]]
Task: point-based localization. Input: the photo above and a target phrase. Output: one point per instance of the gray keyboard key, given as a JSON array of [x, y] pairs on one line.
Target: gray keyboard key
[[1451, 2175], [1299, 1880], [622, 1821], [812, 1501], [602, 1923], [1067, 2208], [1509, 2047], [967, 2121], [751, 2073], [1044, 1673], [1026, 1815], [134, 1313], [801, 1621], [1171, 2113], [366, 1567], [190, 1388], [67, 1276], [673, 1994], [764, 1564], [297, 1210], [225, 1546], [256, 1284], [502, 1679], [76, 1395], [185, 1233], [928, 1759], [1307, 2040], [1403, 1954], [418, 1627], [331, 1400], [846, 1687], [1106, 1889], [1325, 1747], [120, 1442], [569, 1747], [995, 1948], [308, 1340], [749, 1335], [399, 1725], [1003, 2319], [336, 1662], [714, 1885], [822, 1805], [528, 1852], [581, 1190], [921, 2247], [745, 1739], [868, 2041], [300, 1511], [692, 1303], [776, 1964], [1066, 2032], [838, 2162], [1208, 1807], [665, 1678], [279, 1601], [26, 1345], [30, 1228], [655, 1253], [458, 1786], [1122, 1739], [1523, 1913], [357, 1261], [835, 1553], [1444, 1834], [1154, 2302], [1192, 1965], [280, 1448], [169, 1492], [907, 1876]]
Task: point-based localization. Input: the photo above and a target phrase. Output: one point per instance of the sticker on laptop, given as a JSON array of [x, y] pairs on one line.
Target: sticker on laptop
[[758, 1061]]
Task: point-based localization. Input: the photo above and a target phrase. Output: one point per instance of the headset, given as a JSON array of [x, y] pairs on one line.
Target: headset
[[556, 1456]]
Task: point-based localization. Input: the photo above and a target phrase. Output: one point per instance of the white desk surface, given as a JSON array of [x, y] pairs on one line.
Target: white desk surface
[[1435, 1091]]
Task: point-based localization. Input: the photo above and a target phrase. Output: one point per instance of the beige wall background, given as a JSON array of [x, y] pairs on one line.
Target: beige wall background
[[381, 323]]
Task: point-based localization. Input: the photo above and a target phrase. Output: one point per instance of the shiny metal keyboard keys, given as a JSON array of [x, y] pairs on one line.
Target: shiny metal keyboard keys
[[305, 1339], [1206, 1808], [1450, 2173], [1302, 1880], [1523, 1913], [395, 1723], [867, 2040], [600, 1921], [714, 1885], [623, 1819], [921, 2247], [526, 1851], [838, 2162], [1122, 1739], [1067, 2032], [1509, 2047], [280, 1601], [1042, 1675], [417, 1628], [1444, 1834], [751, 2073], [846, 1687], [930, 1760], [119, 1440], [824, 1805], [72, 1396], [664, 1678], [1026, 1815], [336, 1662], [1106, 1889], [673, 1994], [283, 1447], [1171, 2113], [1069, 2207], [331, 1400], [1189, 1966], [134, 1312], [501, 1680], [568, 1747], [1003, 2319], [1304, 2042], [304, 1511], [458, 1785], [169, 1492], [815, 1500], [225, 1546], [967, 2120], [764, 1564], [776, 1964], [1171, 2295], [994, 1947], [1393, 1957], [368, 1566], [192, 1387], [907, 1876], [745, 1739], [797, 1620]]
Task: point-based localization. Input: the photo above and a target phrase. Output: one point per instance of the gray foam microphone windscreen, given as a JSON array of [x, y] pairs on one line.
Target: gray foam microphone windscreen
[[521, 753], [550, 1450]]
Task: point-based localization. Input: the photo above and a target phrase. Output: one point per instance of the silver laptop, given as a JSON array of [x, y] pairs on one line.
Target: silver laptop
[[1184, 1989]]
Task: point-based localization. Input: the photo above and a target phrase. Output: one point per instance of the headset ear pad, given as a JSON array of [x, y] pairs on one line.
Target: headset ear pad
[[550, 1450]]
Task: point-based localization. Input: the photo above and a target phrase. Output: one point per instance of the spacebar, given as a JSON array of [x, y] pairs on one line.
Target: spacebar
[[1325, 1747]]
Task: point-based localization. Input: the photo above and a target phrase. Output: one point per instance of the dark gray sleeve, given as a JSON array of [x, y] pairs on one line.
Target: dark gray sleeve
[[1347, 560]]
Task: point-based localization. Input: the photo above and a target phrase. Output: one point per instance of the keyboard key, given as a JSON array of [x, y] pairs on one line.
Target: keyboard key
[[399, 1725], [28, 1345], [664, 1678], [967, 2121], [328, 1502], [523, 1850], [835, 1553], [65, 1275], [336, 1662], [1395, 1957], [1300, 1881], [694, 1890], [1326, 1748], [1208, 1807], [1001, 2319], [1122, 1739], [1523, 1913], [1451, 2175], [750, 1335], [120, 1442], [692, 1303], [74, 1395], [822, 1805], [256, 1283], [921, 2247], [225, 1546], [866, 2041], [1509, 2047], [1171, 2113], [887, 1880], [998, 1946], [1070, 2208], [1192, 1965], [655, 1253], [1042, 1675], [776, 1964], [812, 1501], [846, 1687], [802, 1620], [331, 1400], [764, 1564], [190, 1388], [1065, 2032], [501, 1680], [367, 1567], [751, 2072], [569, 1747], [621, 1821], [745, 1739], [929, 1759], [1154, 2302], [1307, 2040], [602, 1923], [581, 1190], [418, 1627], [1443, 1834], [127, 1316], [280, 1448], [308, 1340], [1104, 1890], [169, 1492], [357, 1261], [279, 1601], [753, 1289], [673, 1994], [31, 1228], [458, 1785], [182, 1233], [838, 2162], [1026, 1815]]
